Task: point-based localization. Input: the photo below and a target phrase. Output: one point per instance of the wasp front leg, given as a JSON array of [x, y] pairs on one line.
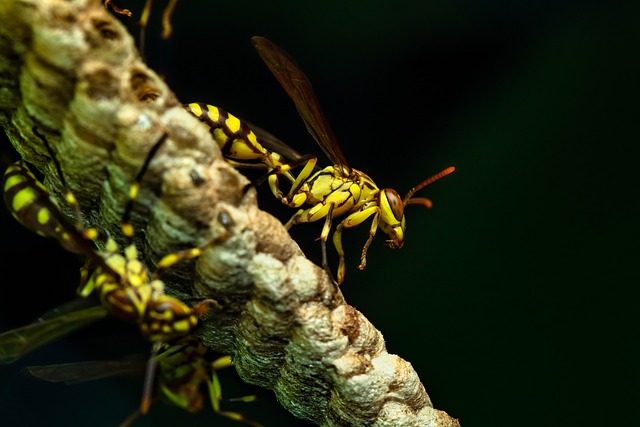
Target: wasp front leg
[[352, 220]]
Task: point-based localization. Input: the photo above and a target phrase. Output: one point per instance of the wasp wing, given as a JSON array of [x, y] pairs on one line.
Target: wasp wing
[[18, 342], [299, 89], [79, 372], [273, 143]]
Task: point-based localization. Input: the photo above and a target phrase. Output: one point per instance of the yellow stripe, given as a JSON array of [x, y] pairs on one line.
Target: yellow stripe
[[195, 109], [213, 113], [44, 216], [233, 123], [13, 180], [22, 198]]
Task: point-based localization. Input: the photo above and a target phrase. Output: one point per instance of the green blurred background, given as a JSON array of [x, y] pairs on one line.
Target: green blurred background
[[515, 297]]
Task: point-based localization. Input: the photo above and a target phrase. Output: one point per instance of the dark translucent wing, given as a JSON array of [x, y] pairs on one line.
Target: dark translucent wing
[[20, 341], [75, 305], [299, 89], [79, 372], [273, 143]]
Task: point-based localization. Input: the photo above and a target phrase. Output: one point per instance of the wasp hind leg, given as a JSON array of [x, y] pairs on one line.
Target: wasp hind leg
[[215, 393]]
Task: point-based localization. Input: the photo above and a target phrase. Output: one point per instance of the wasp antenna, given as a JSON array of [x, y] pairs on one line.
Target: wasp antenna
[[428, 181]]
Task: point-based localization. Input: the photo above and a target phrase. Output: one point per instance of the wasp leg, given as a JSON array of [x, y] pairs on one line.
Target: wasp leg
[[352, 220], [215, 393], [324, 235], [167, 29], [224, 219], [309, 162], [147, 389]]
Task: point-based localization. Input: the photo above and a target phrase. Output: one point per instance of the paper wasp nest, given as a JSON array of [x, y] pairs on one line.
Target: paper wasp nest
[[72, 71]]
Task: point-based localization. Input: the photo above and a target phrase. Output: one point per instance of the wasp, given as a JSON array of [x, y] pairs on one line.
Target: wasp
[[183, 368], [125, 286], [335, 191]]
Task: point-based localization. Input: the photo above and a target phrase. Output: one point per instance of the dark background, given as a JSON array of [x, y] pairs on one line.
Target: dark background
[[515, 298]]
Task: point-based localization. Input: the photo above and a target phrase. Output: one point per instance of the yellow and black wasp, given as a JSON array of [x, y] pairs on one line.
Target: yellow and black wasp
[[125, 286], [183, 368], [337, 190]]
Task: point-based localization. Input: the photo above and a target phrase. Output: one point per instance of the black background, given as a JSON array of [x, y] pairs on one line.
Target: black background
[[515, 298]]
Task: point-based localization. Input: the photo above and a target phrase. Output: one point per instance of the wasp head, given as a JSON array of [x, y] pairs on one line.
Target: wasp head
[[167, 317]]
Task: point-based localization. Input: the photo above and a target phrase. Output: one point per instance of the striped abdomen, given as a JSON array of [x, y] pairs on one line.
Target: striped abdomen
[[239, 144], [31, 204]]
